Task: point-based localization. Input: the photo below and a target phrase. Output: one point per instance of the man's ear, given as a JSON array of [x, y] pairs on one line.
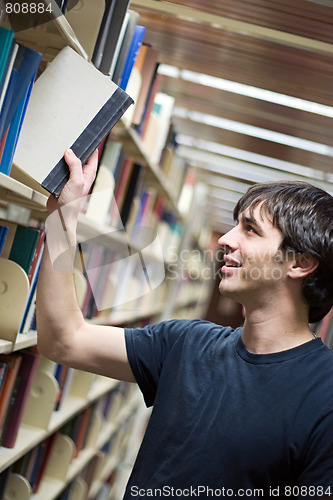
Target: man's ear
[[302, 265]]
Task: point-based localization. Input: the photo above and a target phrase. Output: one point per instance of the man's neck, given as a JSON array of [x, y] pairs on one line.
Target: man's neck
[[276, 330]]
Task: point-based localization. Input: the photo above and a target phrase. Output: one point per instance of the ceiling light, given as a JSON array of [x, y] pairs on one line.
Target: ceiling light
[[246, 90], [250, 130]]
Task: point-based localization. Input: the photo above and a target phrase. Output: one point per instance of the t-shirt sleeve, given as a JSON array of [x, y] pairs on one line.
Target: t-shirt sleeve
[[147, 349], [318, 470]]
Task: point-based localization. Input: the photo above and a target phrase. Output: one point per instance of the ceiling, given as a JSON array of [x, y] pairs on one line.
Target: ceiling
[[284, 46]]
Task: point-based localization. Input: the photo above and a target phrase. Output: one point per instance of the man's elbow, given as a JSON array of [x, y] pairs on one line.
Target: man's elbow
[[48, 349]]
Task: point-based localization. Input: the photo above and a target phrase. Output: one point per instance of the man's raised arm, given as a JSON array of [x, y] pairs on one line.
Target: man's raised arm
[[63, 334]]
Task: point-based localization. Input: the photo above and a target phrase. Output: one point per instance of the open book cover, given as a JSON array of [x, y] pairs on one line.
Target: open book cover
[[72, 105]]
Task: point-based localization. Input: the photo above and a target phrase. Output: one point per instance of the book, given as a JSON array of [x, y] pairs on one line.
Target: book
[[101, 196], [26, 65], [119, 45], [133, 51], [60, 375], [147, 72], [131, 22], [24, 70], [24, 247], [158, 126], [26, 374], [3, 233], [7, 71], [102, 33], [4, 477], [45, 450], [6, 44], [8, 237], [30, 309], [63, 112], [13, 362], [130, 193], [108, 37], [153, 90], [13, 132], [6, 104], [134, 84], [120, 191]]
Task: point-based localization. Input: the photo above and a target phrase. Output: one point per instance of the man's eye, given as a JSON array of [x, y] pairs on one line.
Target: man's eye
[[251, 229]]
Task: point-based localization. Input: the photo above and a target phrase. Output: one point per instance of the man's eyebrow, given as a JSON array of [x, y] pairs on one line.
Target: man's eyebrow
[[250, 220]]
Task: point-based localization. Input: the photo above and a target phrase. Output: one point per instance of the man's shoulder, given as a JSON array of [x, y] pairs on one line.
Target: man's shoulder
[[196, 325], [198, 329]]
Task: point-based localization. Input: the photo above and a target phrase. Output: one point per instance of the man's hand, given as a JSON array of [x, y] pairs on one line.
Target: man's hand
[[61, 224], [79, 182]]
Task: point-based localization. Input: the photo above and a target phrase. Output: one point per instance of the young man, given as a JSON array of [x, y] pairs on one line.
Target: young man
[[245, 412]]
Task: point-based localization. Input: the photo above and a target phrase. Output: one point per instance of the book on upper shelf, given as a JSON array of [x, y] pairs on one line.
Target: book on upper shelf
[[72, 104], [129, 24], [107, 40], [21, 75], [7, 43], [132, 55]]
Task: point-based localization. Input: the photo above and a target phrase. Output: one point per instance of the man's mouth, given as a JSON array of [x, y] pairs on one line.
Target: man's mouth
[[228, 262]]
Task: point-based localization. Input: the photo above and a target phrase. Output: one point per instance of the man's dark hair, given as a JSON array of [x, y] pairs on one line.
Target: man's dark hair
[[304, 215]]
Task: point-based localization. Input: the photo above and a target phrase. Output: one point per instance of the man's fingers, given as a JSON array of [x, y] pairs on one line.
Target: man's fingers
[[93, 158], [90, 168], [73, 162]]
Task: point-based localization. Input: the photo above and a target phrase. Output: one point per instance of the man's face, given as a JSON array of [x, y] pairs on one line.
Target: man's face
[[253, 264]]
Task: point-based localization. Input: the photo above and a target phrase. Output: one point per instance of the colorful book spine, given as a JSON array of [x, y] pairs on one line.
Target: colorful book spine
[[132, 55]]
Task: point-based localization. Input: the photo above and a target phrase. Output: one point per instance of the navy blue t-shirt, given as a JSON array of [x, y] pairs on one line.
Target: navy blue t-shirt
[[226, 419]]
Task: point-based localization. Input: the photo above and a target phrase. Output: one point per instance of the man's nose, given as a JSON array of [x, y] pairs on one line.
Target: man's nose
[[229, 240]]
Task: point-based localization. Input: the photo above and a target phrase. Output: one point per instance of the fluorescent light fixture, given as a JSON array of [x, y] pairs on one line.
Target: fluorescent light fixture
[[250, 130], [246, 90], [255, 158]]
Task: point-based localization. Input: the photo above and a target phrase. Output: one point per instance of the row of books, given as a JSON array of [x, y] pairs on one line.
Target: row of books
[[118, 283], [33, 464], [121, 196], [37, 158], [122, 53], [152, 112], [82, 431], [17, 373], [18, 68]]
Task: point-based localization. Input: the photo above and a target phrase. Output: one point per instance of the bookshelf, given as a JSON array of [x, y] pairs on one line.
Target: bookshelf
[[114, 432]]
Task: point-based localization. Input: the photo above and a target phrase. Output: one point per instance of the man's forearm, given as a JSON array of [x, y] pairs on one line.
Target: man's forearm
[[57, 311]]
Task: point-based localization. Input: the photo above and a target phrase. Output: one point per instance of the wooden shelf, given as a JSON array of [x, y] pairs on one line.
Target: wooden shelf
[[23, 340], [30, 436], [13, 191], [51, 488]]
